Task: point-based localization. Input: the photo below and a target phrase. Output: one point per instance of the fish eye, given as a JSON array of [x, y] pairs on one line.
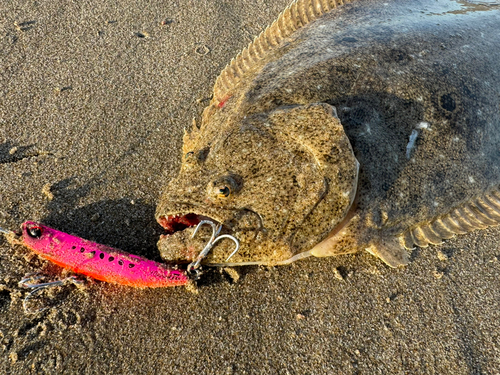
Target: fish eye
[[189, 154], [224, 187], [34, 232], [224, 192]]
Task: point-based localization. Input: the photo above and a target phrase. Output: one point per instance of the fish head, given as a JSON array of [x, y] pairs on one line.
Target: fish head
[[279, 182]]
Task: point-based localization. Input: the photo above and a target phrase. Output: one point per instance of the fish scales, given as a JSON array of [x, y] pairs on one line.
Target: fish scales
[[309, 139]]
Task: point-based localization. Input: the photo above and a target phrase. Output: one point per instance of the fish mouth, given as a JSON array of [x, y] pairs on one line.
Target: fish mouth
[[174, 223], [179, 222], [177, 244]]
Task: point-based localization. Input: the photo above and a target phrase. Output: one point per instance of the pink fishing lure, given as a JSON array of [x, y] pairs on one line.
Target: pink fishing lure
[[98, 261]]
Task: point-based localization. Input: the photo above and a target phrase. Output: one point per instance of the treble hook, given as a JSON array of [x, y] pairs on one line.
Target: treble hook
[[231, 238], [193, 267], [37, 288], [215, 231]]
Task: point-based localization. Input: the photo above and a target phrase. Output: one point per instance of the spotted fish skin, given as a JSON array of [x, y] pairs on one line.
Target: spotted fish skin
[[384, 68], [98, 261]]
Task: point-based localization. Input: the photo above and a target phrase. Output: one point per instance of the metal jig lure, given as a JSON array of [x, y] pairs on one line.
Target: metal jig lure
[[95, 260], [102, 262]]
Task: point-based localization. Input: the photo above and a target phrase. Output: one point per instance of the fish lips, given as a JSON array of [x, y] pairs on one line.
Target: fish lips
[[180, 221]]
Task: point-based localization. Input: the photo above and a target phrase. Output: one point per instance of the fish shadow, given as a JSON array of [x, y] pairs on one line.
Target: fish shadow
[[127, 223], [217, 275]]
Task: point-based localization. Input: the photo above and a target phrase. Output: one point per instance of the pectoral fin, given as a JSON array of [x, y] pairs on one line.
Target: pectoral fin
[[391, 251]]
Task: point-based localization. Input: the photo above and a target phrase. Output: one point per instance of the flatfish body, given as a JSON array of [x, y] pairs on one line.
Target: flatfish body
[[415, 86]]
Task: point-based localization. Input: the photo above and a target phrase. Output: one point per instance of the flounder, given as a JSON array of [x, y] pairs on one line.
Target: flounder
[[346, 126]]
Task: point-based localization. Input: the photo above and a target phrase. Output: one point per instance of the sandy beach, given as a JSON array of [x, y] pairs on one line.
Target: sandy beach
[[94, 97]]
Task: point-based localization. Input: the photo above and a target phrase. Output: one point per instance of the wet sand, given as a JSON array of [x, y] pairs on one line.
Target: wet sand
[[94, 97]]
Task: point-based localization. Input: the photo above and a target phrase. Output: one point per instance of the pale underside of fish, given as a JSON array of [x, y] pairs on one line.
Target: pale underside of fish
[[370, 125]]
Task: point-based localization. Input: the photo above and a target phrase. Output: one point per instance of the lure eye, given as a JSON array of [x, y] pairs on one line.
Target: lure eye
[[224, 192], [34, 232]]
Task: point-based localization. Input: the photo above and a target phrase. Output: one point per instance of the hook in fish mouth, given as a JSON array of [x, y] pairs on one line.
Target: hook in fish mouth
[[176, 245], [195, 265]]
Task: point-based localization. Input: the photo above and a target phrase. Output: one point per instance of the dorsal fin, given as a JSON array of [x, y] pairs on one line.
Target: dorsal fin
[[298, 14], [478, 213]]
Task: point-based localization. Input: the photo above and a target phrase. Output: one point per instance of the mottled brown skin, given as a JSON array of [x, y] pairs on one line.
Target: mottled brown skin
[[386, 66], [277, 177]]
